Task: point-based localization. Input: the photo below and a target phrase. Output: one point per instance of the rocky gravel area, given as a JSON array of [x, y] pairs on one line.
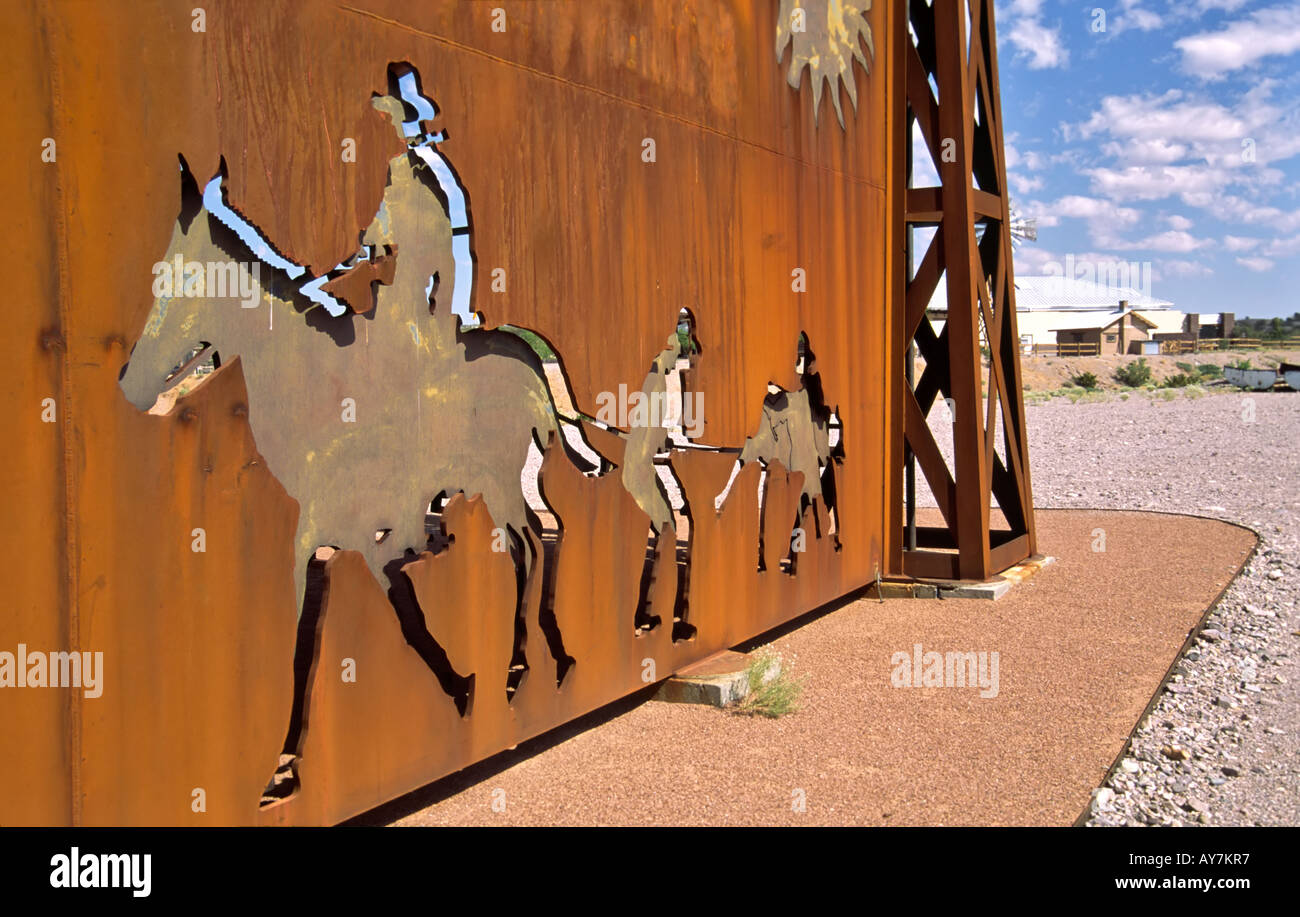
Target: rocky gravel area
[[1221, 746]]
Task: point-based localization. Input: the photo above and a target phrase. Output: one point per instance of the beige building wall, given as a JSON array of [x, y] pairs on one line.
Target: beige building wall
[[1168, 321]]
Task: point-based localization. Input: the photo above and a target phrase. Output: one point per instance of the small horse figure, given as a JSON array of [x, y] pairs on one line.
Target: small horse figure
[[804, 435]]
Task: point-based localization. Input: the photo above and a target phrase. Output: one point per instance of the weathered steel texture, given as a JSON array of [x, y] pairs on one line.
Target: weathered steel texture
[[978, 273], [421, 656], [39, 536]]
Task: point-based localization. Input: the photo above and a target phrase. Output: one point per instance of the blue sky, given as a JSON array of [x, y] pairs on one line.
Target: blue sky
[[1171, 137]]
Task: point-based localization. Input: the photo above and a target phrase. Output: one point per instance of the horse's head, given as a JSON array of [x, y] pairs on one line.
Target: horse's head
[[198, 289]]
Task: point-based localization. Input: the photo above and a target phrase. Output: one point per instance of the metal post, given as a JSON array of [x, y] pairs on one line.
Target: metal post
[[909, 460]]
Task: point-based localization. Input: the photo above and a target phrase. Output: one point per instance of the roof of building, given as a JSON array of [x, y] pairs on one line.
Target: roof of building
[[1092, 320], [1044, 293]]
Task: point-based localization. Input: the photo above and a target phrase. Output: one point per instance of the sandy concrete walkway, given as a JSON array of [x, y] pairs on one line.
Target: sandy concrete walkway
[[1081, 649]]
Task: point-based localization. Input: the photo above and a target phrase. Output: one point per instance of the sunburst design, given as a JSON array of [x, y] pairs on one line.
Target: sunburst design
[[828, 36]]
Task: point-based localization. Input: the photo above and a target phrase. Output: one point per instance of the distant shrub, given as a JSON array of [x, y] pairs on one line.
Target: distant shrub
[[1186, 367], [1243, 363], [1209, 370], [1134, 374], [1083, 394], [1180, 380], [1084, 380]]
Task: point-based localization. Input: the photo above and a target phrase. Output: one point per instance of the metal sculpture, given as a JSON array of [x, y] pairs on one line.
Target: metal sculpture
[[316, 436], [826, 38], [972, 250], [326, 562]]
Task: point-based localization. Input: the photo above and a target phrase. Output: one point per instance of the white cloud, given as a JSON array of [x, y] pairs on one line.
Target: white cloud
[[1230, 6], [1017, 163], [1022, 184], [1283, 247], [1104, 218], [1169, 119], [1259, 265], [1092, 208], [1240, 243], [924, 174], [1172, 241], [1150, 183], [1214, 154], [1155, 150], [1174, 127], [1242, 43], [1010, 152], [1026, 7], [1180, 268], [1040, 44], [1031, 260], [1231, 207], [1133, 15]]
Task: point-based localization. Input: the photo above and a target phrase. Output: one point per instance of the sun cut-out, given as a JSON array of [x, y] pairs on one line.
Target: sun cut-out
[[827, 36]]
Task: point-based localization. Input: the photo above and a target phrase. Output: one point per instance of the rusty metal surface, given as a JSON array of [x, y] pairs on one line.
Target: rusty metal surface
[[283, 640]]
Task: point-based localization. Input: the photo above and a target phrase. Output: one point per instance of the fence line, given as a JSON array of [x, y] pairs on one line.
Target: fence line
[[1081, 349], [1174, 347], [1213, 344]]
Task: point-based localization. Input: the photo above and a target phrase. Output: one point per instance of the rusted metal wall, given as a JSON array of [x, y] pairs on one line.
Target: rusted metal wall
[[545, 124]]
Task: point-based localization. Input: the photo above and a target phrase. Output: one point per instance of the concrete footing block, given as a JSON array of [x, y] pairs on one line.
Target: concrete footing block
[[992, 590], [718, 681]]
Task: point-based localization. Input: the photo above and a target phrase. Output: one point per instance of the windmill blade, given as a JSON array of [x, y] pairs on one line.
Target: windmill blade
[[1022, 228]]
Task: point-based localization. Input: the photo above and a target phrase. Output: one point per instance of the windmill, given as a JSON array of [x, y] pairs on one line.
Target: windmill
[[1022, 228]]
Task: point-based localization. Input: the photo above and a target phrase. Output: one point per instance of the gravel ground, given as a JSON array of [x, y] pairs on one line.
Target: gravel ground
[[1222, 744]]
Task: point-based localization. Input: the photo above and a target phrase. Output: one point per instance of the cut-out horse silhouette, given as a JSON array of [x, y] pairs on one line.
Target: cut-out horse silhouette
[[799, 431], [367, 416]]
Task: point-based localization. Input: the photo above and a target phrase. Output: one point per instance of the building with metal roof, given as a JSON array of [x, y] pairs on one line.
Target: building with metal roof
[[1049, 303]]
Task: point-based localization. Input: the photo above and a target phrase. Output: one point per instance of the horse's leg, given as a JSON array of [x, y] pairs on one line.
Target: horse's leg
[[829, 498], [643, 620], [309, 581], [666, 540], [406, 604], [546, 619], [791, 555], [682, 628], [519, 658]]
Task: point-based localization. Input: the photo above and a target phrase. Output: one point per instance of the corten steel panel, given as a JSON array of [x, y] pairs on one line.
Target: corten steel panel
[[38, 535], [545, 124]]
